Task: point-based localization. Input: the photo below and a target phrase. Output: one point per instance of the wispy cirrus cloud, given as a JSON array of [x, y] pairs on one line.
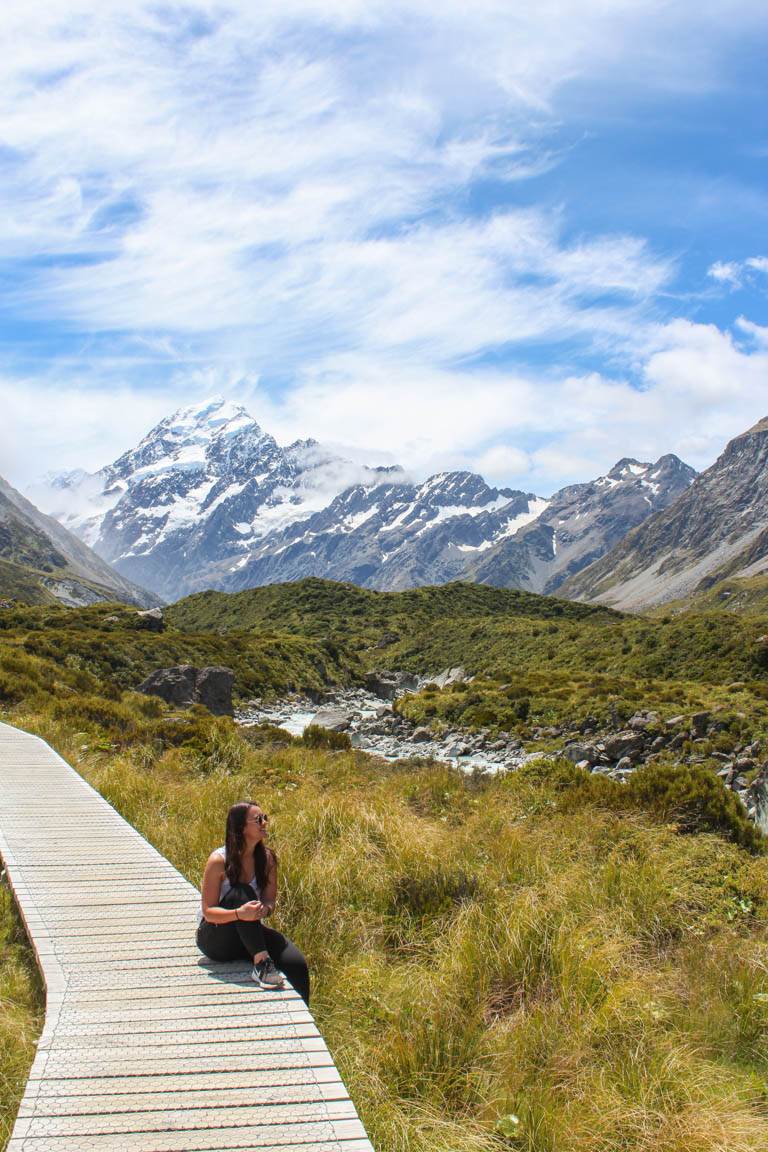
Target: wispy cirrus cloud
[[334, 201]]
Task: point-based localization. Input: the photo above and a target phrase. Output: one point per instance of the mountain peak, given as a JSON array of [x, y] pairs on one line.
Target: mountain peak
[[628, 466], [757, 429], [209, 416], [717, 528]]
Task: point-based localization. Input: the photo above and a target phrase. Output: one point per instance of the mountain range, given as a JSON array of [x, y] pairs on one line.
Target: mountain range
[[208, 499], [717, 529]]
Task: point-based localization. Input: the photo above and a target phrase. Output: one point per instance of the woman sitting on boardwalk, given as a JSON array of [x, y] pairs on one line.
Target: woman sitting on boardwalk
[[239, 890]]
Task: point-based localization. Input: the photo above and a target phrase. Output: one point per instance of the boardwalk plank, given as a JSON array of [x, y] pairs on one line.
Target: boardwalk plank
[[145, 1040]]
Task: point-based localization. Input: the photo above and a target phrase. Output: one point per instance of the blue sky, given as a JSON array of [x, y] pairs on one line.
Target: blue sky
[[526, 243]]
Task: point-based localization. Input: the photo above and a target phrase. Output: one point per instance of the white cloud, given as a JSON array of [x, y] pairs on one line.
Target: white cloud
[[735, 272], [52, 426], [699, 388], [242, 190], [726, 273], [757, 332]]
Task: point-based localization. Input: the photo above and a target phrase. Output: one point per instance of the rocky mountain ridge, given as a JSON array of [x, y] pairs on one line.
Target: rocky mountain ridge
[[210, 500], [717, 529], [40, 561], [186, 505]]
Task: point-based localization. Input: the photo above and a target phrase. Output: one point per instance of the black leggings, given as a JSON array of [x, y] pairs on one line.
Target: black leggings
[[241, 939]]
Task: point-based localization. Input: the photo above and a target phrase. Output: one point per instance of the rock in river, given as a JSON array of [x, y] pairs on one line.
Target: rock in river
[[337, 719]]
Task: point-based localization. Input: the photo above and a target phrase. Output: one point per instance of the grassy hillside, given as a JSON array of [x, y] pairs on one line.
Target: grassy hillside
[[41, 562], [18, 582], [492, 630], [105, 649], [537, 660], [303, 604], [747, 595]]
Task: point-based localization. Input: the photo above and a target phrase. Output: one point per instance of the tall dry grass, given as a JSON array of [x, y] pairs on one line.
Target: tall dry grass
[[493, 967], [21, 1012]]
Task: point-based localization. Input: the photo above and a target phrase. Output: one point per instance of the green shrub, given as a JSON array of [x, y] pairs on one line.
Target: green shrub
[[263, 735], [315, 736], [112, 716], [692, 797]]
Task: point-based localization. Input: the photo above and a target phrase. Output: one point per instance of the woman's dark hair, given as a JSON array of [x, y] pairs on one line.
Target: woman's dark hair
[[264, 858]]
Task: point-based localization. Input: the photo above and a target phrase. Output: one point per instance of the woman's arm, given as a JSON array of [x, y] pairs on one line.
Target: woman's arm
[[269, 892], [212, 878]]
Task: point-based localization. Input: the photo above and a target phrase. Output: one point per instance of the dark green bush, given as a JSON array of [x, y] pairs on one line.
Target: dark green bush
[[261, 735], [695, 799]]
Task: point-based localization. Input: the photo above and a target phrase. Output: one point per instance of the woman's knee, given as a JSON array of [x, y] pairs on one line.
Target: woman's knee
[[219, 942]]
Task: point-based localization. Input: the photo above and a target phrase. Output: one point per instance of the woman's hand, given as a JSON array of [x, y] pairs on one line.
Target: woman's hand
[[253, 910]]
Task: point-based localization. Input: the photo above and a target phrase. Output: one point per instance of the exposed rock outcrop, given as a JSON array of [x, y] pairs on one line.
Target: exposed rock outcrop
[[183, 685]]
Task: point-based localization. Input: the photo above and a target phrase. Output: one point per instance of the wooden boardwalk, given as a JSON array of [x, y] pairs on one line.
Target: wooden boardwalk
[[147, 1046]]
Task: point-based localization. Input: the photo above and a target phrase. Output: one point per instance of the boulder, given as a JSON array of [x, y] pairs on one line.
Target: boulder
[[214, 689], [386, 684], [183, 685], [151, 620], [420, 735], [700, 723], [386, 639], [757, 798], [577, 753], [624, 744], [639, 722], [448, 676], [336, 719]]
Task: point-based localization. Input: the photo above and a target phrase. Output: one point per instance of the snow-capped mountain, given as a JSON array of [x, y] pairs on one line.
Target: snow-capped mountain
[[392, 534], [455, 527], [188, 504], [210, 500], [581, 523]]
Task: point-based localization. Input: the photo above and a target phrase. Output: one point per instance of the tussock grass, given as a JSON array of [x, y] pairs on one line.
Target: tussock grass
[[498, 964], [21, 1012]]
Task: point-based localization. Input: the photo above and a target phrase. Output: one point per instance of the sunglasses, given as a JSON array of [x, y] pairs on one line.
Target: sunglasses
[[261, 819]]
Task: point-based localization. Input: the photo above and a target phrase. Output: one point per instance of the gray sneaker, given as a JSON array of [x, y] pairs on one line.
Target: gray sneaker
[[266, 975]]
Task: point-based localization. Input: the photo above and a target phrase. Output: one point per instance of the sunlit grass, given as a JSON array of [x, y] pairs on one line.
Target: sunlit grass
[[497, 964], [21, 1009]]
